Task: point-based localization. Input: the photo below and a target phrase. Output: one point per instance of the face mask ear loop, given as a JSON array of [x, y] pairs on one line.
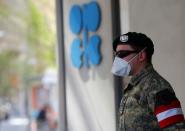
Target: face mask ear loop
[[136, 55]]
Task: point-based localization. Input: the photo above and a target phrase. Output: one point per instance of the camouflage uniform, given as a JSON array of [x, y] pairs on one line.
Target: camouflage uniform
[[140, 100]]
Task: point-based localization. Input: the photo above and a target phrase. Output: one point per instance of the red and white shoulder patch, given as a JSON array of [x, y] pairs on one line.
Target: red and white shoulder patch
[[169, 114], [167, 109]]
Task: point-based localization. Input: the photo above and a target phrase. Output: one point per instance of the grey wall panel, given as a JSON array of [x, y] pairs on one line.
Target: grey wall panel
[[90, 91]]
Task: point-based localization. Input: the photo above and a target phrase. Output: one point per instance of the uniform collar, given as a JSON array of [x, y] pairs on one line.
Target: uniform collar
[[143, 73]]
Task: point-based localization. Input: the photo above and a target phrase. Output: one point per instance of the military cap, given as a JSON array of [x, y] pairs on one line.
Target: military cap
[[135, 39]]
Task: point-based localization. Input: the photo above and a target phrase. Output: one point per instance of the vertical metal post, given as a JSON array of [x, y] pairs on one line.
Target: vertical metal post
[[61, 67], [116, 31]]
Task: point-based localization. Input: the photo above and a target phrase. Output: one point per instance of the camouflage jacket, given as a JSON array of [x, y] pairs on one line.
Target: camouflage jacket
[[149, 104]]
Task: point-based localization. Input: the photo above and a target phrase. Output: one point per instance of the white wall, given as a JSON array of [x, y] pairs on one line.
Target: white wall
[[90, 92], [163, 21]]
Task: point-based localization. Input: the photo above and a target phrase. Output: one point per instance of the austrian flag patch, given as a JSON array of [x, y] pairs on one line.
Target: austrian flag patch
[[167, 109]]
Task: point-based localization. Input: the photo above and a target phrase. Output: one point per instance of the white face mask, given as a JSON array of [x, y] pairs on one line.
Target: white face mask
[[121, 67]]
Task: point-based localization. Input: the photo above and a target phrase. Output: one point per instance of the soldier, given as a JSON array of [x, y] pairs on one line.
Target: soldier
[[149, 102]]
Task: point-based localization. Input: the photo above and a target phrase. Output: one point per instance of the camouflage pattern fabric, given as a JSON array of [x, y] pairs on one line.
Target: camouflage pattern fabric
[[138, 103]]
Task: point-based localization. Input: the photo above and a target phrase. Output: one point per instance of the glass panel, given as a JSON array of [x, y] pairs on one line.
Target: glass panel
[[28, 76]]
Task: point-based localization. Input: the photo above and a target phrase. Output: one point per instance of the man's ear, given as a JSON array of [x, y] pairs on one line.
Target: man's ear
[[142, 56]]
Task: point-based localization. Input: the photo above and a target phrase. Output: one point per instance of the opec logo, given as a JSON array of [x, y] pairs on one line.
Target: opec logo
[[85, 20]]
